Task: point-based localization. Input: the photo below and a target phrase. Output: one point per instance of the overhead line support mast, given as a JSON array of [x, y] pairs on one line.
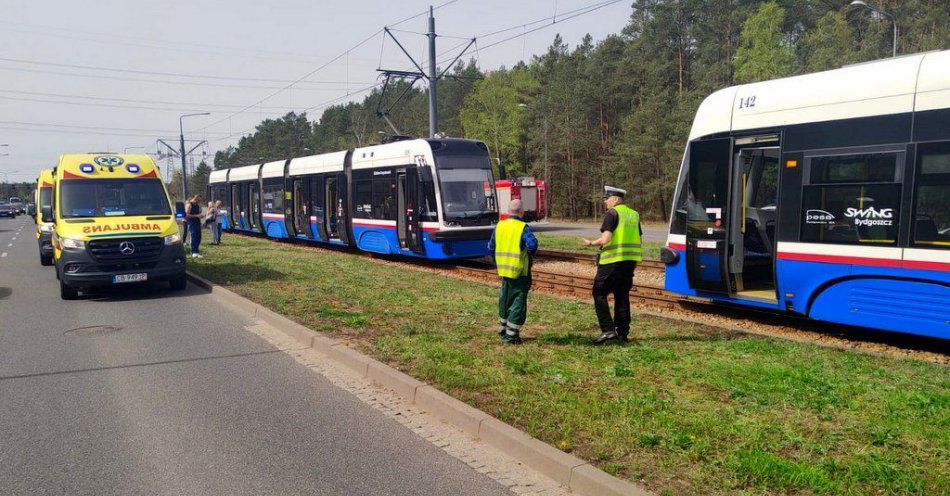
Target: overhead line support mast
[[432, 76]]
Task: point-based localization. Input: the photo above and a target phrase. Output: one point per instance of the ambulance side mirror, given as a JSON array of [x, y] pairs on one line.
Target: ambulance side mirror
[[179, 210], [47, 213]]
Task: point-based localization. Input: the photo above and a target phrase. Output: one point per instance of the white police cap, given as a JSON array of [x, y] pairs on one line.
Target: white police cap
[[612, 191]]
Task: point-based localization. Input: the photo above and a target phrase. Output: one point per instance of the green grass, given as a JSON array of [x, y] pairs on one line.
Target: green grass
[[689, 409], [651, 249]]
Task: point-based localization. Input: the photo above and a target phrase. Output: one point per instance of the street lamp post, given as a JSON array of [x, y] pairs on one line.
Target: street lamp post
[[181, 136], [6, 177], [861, 3]]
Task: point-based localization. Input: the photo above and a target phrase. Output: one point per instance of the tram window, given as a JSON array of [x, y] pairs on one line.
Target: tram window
[[427, 207], [221, 194], [766, 191], [861, 168], [707, 184], [363, 199], [236, 196], [857, 214], [384, 198], [273, 200], [932, 203]]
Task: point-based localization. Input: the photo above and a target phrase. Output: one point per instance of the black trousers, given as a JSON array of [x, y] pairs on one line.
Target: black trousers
[[615, 278]]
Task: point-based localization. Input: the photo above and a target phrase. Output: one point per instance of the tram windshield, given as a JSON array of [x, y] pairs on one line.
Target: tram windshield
[[465, 198]]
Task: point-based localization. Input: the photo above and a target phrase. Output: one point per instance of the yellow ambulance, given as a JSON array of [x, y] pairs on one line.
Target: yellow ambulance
[[113, 223], [43, 195]]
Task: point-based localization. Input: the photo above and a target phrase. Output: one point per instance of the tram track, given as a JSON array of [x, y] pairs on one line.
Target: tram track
[[655, 301], [590, 258]]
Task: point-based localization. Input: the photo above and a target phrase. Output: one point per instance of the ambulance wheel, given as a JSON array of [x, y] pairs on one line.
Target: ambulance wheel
[[46, 260], [67, 292], [178, 283]]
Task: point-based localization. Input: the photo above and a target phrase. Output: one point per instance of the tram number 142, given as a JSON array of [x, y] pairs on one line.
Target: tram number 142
[[747, 102]]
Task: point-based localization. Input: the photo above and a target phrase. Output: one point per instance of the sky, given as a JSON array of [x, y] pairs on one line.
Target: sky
[[116, 75]]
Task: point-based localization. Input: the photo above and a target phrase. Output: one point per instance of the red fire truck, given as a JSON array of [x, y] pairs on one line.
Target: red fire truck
[[533, 195]]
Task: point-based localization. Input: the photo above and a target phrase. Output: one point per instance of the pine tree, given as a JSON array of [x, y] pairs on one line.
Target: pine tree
[[764, 50]]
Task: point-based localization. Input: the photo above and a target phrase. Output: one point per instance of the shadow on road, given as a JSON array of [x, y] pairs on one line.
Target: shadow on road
[[134, 292], [5, 293]]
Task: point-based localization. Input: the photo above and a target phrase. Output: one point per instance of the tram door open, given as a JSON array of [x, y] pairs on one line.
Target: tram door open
[[301, 207], [336, 208], [754, 204], [731, 216], [407, 218], [707, 215], [235, 206], [254, 206], [318, 209]]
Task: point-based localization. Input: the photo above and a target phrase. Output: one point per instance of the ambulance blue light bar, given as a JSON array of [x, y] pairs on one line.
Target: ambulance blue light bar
[[133, 168], [87, 168]]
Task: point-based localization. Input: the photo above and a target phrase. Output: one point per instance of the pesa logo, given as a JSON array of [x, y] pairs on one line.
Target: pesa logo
[[816, 216]]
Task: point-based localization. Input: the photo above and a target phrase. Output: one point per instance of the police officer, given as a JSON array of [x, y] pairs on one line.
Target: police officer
[[620, 251], [513, 245]]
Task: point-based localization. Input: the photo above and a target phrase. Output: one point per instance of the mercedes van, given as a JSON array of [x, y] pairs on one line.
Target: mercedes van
[[44, 230], [113, 224]]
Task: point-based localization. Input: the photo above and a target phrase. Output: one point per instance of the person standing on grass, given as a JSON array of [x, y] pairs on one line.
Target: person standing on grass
[[216, 217], [620, 242], [513, 245], [193, 217]]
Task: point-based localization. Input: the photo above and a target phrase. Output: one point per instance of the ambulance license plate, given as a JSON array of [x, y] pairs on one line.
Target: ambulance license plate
[[129, 278]]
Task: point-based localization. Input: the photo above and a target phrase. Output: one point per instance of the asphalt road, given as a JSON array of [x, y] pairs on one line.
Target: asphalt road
[[589, 230], [181, 399]]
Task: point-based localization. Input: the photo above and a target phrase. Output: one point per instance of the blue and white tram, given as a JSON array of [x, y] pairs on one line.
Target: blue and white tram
[[826, 195], [423, 198]]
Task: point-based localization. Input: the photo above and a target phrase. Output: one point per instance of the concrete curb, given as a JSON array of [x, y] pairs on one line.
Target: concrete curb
[[578, 475]]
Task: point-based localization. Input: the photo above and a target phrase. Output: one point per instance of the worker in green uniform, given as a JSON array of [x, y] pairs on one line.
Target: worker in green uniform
[[513, 246], [620, 251]]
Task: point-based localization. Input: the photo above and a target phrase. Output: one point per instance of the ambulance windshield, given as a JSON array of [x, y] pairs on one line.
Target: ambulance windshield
[[112, 198]]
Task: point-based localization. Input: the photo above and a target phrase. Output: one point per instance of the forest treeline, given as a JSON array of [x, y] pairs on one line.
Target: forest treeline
[[617, 110]]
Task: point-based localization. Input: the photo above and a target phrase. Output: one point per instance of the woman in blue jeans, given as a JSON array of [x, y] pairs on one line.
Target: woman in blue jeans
[[193, 217]]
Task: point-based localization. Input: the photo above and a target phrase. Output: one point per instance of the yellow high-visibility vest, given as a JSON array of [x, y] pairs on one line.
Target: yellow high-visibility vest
[[510, 259], [625, 241]]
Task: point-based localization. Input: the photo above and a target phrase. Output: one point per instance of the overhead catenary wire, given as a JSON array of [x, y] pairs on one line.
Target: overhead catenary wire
[[147, 80], [552, 20], [314, 107], [556, 19], [76, 131], [73, 126], [156, 73], [204, 105], [114, 39], [319, 68]]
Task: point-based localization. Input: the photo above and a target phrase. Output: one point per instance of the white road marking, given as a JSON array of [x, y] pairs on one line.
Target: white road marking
[[9, 245], [3, 254]]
